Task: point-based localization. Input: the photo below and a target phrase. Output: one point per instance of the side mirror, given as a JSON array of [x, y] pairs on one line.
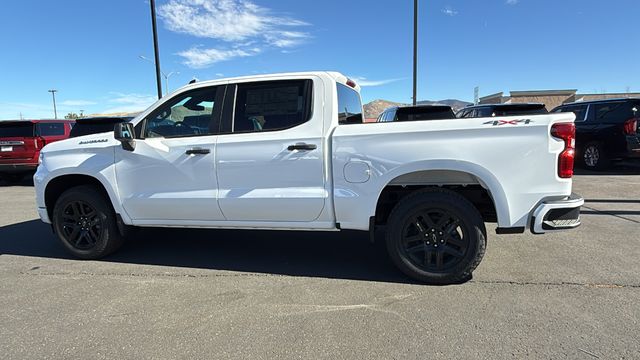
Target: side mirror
[[124, 133]]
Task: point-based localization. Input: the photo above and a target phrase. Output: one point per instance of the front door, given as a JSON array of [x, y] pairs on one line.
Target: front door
[[270, 161], [170, 175]]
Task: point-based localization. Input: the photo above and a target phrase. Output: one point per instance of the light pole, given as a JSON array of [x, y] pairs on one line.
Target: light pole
[[415, 51], [55, 111], [165, 76], [152, 3]]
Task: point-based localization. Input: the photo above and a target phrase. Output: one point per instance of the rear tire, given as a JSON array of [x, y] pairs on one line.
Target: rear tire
[[594, 156], [436, 236], [86, 223]]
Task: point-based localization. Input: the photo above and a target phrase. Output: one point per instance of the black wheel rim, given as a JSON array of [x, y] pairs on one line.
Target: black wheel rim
[[82, 226], [434, 240]]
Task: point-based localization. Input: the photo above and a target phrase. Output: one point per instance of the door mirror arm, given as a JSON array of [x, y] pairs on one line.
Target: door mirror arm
[[125, 133]]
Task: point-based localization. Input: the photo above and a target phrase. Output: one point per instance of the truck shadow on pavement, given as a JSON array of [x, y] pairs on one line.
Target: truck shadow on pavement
[[336, 255]]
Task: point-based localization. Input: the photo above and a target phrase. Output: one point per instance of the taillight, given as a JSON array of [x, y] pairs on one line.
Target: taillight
[[630, 126], [351, 83], [566, 132], [40, 142]]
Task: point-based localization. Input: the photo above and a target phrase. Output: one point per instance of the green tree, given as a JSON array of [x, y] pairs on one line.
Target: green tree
[[72, 115]]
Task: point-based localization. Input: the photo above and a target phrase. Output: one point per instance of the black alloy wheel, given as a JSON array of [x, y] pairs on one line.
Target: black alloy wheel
[[85, 223], [434, 240], [436, 236], [81, 225]]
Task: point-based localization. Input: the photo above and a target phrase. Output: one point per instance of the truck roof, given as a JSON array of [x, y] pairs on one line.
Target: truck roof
[[338, 77]]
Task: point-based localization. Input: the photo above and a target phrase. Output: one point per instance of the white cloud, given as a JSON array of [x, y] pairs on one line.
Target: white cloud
[[122, 102], [364, 82], [198, 58], [449, 11], [73, 103], [230, 21], [512, 2]]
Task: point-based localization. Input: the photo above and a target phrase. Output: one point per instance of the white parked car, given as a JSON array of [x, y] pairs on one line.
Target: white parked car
[[290, 151]]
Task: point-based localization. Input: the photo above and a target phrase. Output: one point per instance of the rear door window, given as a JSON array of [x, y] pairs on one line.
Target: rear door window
[[349, 106], [50, 129], [16, 129], [272, 105]]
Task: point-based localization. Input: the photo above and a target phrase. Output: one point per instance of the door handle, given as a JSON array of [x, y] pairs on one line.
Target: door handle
[[197, 151], [302, 146]]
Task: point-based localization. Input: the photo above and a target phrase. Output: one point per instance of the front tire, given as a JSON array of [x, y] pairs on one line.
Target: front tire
[[86, 223], [436, 236]]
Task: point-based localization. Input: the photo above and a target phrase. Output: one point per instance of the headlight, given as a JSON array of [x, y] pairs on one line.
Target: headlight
[[40, 158]]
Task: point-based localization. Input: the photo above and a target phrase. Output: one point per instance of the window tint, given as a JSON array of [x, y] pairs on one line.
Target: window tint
[[188, 114], [275, 105], [614, 112], [484, 112], [16, 129], [579, 110], [50, 129], [349, 106], [391, 114], [515, 110], [424, 113]]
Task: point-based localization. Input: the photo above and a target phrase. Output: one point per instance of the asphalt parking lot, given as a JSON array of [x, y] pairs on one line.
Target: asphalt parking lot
[[264, 295]]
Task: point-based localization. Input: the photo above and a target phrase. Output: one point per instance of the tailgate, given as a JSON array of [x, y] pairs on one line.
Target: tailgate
[[17, 141]]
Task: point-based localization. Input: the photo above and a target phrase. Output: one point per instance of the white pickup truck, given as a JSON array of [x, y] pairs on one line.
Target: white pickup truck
[[291, 152]]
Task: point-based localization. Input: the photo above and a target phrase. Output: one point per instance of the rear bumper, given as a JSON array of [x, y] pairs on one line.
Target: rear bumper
[[557, 215], [17, 168]]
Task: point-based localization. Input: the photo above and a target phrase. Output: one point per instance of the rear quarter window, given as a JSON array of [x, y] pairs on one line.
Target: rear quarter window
[[349, 106], [614, 112]]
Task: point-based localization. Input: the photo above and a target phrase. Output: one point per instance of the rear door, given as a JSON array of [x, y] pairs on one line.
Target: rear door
[[270, 161], [17, 141]]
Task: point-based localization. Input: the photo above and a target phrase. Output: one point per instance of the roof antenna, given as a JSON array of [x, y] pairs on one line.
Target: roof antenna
[[193, 81]]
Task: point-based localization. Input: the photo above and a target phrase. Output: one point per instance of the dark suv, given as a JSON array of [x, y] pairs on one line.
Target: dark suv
[[21, 141], [490, 110], [96, 125], [606, 130], [416, 113]]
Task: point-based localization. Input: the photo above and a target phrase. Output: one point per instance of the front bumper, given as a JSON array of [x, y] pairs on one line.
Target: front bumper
[[557, 215], [44, 215]]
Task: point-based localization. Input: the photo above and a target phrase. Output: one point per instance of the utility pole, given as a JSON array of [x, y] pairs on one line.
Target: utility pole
[[415, 51], [55, 111], [152, 3]]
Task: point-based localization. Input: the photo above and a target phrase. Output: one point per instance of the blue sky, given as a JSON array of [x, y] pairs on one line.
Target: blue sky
[[89, 50]]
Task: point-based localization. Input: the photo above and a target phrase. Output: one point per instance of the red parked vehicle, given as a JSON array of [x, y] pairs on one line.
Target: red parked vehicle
[[21, 141]]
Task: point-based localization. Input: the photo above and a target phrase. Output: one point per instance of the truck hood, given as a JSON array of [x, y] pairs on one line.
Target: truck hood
[[93, 141]]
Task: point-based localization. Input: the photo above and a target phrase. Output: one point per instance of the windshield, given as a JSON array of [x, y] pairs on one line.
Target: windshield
[[16, 129]]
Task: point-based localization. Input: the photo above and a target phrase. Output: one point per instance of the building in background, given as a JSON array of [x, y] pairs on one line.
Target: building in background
[[551, 98]]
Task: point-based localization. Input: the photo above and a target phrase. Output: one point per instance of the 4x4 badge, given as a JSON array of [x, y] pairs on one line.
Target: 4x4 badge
[[508, 122]]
